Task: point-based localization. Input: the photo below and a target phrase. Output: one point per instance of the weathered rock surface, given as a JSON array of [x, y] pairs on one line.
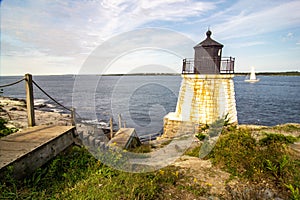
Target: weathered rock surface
[[14, 111]]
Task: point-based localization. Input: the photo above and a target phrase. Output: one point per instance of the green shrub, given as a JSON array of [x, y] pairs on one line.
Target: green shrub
[[231, 150], [295, 194], [278, 168], [201, 136], [194, 151], [4, 131], [144, 148], [277, 138], [268, 159], [287, 128]]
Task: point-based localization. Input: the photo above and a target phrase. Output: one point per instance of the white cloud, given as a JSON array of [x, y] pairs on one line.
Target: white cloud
[[155, 59], [288, 36], [246, 44], [57, 29], [65, 32], [61, 26], [270, 19]]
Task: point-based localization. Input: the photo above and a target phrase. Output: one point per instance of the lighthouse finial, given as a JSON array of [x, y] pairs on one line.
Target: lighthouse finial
[[208, 33]]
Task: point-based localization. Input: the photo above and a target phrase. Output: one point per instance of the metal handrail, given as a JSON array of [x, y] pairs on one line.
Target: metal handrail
[[226, 66]]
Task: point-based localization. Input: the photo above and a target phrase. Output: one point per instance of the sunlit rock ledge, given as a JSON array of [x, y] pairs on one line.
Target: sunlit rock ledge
[[14, 111]]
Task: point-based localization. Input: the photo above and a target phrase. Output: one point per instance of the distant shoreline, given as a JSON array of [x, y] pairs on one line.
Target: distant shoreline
[[292, 73], [289, 73]]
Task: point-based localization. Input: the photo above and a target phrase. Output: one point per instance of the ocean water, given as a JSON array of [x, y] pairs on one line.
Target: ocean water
[[142, 101]]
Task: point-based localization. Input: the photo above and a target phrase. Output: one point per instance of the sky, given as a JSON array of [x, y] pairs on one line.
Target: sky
[[44, 37]]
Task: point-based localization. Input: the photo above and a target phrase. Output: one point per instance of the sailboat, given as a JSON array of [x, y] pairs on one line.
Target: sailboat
[[252, 78]]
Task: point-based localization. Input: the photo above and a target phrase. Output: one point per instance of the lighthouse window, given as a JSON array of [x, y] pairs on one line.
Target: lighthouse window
[[219, 52]]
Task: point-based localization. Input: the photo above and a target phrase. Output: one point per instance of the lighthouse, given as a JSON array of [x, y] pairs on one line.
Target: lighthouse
[[207, 89]]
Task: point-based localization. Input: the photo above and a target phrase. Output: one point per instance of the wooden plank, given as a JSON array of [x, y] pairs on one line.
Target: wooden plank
[[125, 131], [18, 145], [124, 137]]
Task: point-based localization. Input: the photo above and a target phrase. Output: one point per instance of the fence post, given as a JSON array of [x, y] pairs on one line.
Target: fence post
[[29, 100], [120, 121], [111, 127], [73, 116]]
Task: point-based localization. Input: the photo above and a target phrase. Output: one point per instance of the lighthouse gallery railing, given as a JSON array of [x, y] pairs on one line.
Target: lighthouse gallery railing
[[226, 66]]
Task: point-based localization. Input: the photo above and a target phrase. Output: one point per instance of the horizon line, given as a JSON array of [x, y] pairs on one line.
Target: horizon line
[[154, 73]]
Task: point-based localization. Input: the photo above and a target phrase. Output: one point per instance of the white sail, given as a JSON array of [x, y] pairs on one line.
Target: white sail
[[252, 78], [252, 75]]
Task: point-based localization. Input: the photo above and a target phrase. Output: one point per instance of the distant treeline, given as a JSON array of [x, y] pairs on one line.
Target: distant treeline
[[290, 73], [144, 74]]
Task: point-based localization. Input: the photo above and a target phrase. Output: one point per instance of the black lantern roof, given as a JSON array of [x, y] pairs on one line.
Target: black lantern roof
[[209, 42]]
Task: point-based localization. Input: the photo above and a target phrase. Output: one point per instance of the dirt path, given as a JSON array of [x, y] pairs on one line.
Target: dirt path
[[205, 174]]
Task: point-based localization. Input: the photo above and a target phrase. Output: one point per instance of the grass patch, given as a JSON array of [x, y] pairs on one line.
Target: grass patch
[[75, 174], [194, 152], [165, 143], [144, 148], [287, 128]]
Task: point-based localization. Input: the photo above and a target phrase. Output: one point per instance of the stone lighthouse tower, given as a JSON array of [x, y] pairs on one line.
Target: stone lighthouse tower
[[207, 89]]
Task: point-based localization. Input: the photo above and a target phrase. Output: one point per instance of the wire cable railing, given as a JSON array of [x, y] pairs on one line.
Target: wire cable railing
[[13, 83], [31, 82], [69, 109]]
